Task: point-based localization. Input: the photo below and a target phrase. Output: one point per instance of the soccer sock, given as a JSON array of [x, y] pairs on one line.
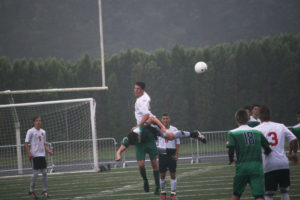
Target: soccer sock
[[285, 196], [156, 178], [163, 184], [143, 174], [182, 134], [173, 185], [45, 179], [33, 179], [268, 197]]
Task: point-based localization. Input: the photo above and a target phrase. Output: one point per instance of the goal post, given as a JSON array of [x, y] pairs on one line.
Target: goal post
[[70, 130]]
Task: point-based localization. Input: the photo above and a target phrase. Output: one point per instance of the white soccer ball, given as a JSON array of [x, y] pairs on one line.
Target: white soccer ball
[[200, 67]]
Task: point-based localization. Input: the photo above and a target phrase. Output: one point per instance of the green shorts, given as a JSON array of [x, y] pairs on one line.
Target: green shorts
[[256, 182], [143, 148]]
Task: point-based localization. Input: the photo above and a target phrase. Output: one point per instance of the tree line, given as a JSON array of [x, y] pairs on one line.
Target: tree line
[[265, 71]]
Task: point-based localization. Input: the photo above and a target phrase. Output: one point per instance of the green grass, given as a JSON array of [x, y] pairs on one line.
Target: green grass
[[197, 181]]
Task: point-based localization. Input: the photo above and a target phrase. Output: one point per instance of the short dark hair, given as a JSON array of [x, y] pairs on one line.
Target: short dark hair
[[133, 137], [241, 116], [165, 115], [35, 117], [247, 107], [265, 113], [141, 84], [255, 105]]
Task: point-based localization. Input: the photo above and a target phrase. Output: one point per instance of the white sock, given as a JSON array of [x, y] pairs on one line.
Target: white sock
[[181, 134], [45, 179], [173, 185], [162, 184], [33, 179], [285, 196]]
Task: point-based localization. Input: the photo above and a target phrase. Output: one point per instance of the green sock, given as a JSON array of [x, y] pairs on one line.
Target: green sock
[[156, 178], [143, 174]]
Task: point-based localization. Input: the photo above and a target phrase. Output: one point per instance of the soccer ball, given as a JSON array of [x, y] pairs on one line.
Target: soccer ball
[[200, 67]]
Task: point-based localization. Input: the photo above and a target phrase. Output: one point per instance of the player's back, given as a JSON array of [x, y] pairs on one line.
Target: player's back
[[276, 134]]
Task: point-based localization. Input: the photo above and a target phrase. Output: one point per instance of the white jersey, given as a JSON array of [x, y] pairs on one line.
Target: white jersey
[[36, 139], [254, 119], [168, 144], [276, 134], [142, 107]]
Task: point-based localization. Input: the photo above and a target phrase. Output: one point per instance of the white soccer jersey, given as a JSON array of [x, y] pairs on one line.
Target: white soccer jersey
[[168, 144], [253, 119], [142, 107], [276, 134], [36, 139]]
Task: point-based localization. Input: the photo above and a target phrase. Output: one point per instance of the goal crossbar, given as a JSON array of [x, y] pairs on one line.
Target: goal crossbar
[[8, 92]]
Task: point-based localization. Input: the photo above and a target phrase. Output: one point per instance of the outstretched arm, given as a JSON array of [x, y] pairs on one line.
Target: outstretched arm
[[119, 152], [153, 119]]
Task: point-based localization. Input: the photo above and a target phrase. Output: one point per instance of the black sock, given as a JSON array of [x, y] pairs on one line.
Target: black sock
[[156, 178], [143, 174]]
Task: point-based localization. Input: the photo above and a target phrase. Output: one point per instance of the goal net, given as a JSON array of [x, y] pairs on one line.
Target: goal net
[[70, 133]]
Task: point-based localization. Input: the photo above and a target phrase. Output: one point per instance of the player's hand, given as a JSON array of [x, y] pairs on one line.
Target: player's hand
[[133, 128], [50, 152], [30, 155], [230, 162], [293, 158]]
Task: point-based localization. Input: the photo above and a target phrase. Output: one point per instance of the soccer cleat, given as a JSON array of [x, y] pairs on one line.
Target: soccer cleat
[[33, 195], [146, 186], [163, 195], [199, 136], [173, 196], [156, 191], [45, 194]]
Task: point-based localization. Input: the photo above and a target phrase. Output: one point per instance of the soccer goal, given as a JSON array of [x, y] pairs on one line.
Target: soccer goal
[[70, 130]]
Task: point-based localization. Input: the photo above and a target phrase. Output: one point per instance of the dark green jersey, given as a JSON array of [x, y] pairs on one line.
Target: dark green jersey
[[147, 134], [247, 143]]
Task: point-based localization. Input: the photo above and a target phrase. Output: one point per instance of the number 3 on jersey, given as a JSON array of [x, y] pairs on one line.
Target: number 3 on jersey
[[273, 137]]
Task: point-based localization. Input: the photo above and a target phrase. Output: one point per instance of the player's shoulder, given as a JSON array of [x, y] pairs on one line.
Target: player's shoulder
[[240, 129], [297, 126], [31, 130]]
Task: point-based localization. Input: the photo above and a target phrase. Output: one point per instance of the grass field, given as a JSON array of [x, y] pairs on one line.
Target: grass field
[[197, 181]]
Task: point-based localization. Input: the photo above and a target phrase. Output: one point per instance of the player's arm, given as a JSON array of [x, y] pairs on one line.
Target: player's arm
[[231, 154], [28, 150], [293, 151], [48, 150], [177, 150], [265, 144], [153, 119], [119, 152]]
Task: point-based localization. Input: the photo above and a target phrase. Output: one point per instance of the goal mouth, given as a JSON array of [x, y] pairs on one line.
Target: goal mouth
[[70, 127]]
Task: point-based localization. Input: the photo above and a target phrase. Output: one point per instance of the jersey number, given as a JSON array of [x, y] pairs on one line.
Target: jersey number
[[274, 138], [249, 138]]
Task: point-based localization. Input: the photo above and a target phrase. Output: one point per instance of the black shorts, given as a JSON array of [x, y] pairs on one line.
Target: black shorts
[[39, 163], [277, 177], [167, 161]]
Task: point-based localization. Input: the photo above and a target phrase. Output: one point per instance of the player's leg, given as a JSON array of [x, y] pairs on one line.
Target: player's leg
[[271, 184], [44, 173], [239, 184], [257, 186], [284, 183], [182, 134], [35, 166], [163, 163], [153, 153], [140, 157]]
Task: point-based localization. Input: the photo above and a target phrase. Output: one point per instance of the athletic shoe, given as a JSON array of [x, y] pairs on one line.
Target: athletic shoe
[[200, 137], [146, 186], [33, 195], [45, 194], [156, 192], [173, 196], [163, 195]]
